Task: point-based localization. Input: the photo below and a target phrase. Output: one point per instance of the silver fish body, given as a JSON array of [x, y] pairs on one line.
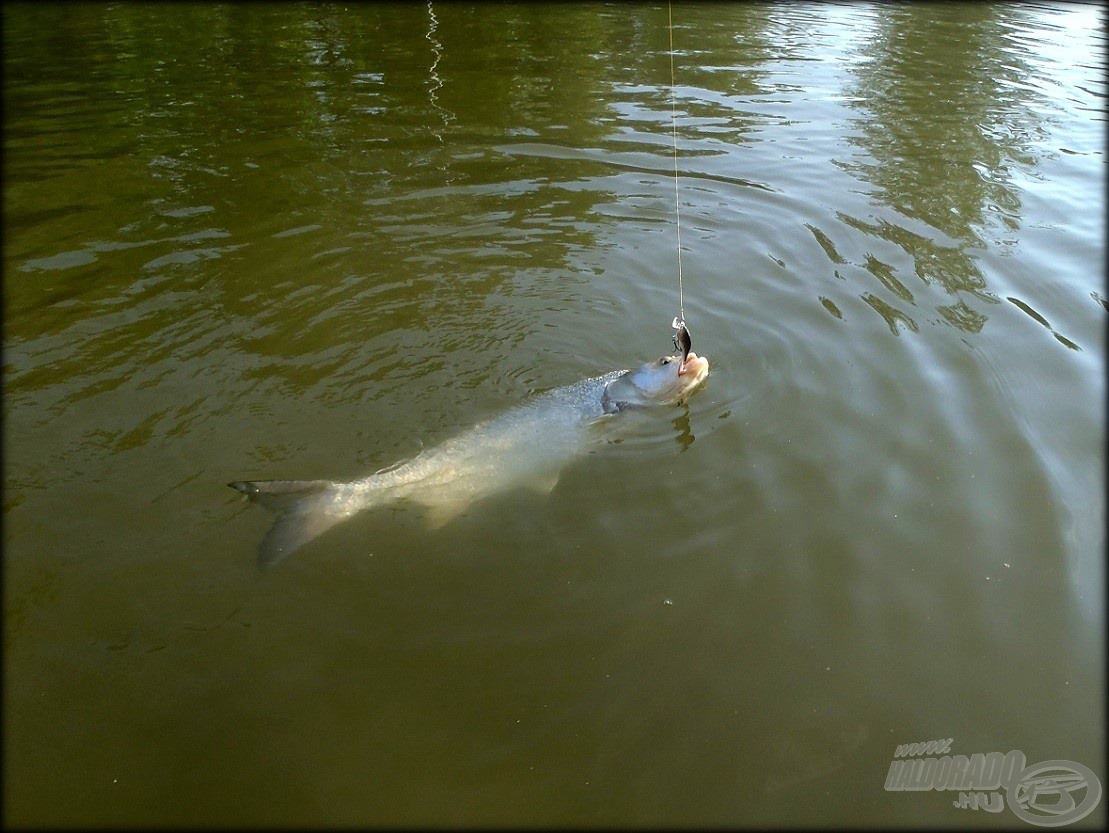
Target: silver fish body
[[526, 447]]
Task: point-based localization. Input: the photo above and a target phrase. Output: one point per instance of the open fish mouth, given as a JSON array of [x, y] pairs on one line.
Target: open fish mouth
[[695, 366]]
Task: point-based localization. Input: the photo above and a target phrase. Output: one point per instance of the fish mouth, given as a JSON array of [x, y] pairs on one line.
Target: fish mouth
[[694, 367]]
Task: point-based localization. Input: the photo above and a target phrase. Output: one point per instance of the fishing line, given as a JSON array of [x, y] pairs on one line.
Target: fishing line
[[674, 130], [682, 340]]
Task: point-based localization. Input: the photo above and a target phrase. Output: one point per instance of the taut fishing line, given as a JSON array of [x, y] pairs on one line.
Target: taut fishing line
[[682, 340]]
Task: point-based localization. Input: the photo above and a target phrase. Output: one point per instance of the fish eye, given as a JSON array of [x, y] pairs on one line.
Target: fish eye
[[664, 360]]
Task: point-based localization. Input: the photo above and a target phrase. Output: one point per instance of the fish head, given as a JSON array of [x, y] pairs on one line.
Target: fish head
[[664, 381]]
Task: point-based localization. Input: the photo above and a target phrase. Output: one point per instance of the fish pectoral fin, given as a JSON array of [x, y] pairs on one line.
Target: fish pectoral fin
[[441, 513], [542, 483]]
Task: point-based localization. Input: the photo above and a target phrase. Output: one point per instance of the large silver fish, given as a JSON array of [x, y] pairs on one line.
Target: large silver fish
[[528, 446]]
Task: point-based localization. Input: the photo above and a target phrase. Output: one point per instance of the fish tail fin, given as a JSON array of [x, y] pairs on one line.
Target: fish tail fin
[[305, 509]]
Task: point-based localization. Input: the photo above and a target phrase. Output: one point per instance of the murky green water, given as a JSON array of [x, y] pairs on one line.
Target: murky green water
[[254, 241]]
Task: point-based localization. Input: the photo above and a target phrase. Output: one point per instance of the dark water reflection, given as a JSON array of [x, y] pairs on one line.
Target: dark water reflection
[[954, 174], [308, 241]]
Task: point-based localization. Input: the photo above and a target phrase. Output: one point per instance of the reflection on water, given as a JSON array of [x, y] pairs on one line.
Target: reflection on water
[[307, 242], [435, 83], [942, 129]]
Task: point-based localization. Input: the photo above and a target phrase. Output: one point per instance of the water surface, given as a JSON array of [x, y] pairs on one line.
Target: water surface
[[253, 241]]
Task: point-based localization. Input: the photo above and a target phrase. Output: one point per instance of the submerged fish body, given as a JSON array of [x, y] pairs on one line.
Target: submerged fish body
[[525, 447]]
